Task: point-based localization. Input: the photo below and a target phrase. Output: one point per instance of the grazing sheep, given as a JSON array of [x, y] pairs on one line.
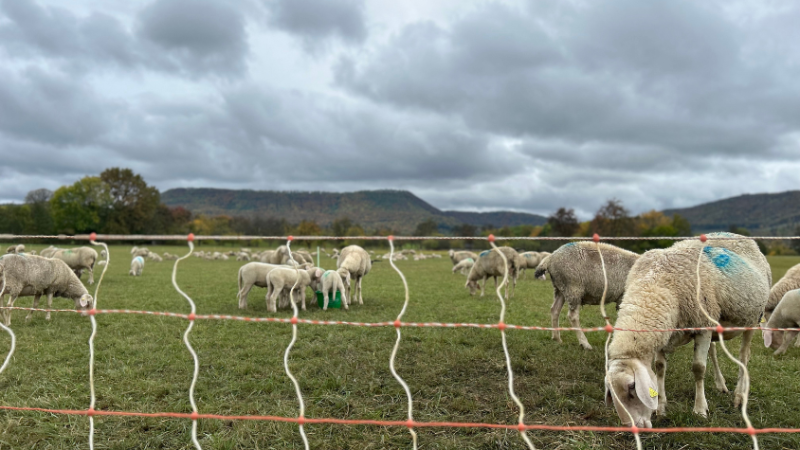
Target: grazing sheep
[[457, 257], [48, 252], [785, 315], [531, 261], [354, 262], [661, 293], [154, 257], [27, 275], [136, 251], [170, 257], [490, 264], [283, 279], [331, 282], [242, 256], [137, 264], [465, 265], [252, 274], [102, 262], [577, 277], [789, 282], [11, 249], [79, 259], [305, 256]]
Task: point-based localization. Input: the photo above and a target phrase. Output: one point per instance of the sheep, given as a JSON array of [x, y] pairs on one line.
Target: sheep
[[531, 261], [354, 262], [457, 257], [331, 282], [20, 248], [154, 257], [170, 257], [136, 251], [48, 252], [27, 275], [790, 281], [245, 250], [252, 274], [661, 293], [12, 249], [490, 264], [79, 259], [32, 252], [137, 264], [305, 256], [785, 315], [282, 279], [464, 266], [266, 256], [242, 256], [577, 277]]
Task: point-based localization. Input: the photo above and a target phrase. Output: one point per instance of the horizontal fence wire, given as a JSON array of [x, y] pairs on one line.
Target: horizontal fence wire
[[410, 423]]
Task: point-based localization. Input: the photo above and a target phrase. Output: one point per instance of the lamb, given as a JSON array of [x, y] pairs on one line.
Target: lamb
[[577, 277], [26, 275], [79, 259], [457, 257], [20, 248], [282, 279], [306, 257], [242, 256], [12, 249], [464, 266], [331, 282], [136, 251], [137, 264], [490, 264], [154, 257], [170, 257], [354, 262], [785, 315], [660, 293], [252, 274]]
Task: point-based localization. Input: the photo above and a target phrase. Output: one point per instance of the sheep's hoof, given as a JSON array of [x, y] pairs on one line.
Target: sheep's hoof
[[737, 400], [721, 388], [556, 338], [661, 410], [586, 346], [701, 410]]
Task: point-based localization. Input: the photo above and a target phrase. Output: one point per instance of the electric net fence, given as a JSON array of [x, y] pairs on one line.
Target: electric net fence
[[411, 424]]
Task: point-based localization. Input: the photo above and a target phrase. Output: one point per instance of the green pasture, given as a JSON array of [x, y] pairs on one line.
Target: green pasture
[[454, 374]]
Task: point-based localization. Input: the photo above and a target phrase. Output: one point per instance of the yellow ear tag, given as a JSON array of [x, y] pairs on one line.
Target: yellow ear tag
[[763, 319], [653, 393]]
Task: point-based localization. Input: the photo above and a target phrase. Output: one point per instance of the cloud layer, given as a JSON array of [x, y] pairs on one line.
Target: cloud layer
[[498, 105]]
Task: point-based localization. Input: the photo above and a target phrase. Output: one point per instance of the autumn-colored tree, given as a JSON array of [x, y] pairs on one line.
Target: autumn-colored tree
[[133, 202], [612, 219]]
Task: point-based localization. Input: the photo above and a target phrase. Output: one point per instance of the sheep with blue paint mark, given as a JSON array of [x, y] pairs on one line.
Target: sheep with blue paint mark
[[577, 277], [457, 257], [464, 266], [490, 264], [137, 265], [661, 293]]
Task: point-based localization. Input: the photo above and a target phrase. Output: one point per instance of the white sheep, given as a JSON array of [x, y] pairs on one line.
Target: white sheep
[[355, 262], [464, 266], [143, 251], [48, 252], [785, 315], [79, 259], [490, 264], [12, 249], [137, 265], [27, 275], [155, 257], [531, 261], [330, 283], [170, 257], [252, 274], [660, 293], [283, 279], [457, 257], [789, 282], [243, 256], [577, 277]]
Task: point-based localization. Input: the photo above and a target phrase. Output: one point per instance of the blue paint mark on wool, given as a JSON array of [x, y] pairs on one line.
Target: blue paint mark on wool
[[484, 253], [140, 259], [724, 259]]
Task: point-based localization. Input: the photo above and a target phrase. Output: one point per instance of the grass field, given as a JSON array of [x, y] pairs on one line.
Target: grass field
[[454, 374]]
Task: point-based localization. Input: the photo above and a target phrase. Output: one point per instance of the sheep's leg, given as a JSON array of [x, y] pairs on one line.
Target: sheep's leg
[[35, 305], [344, 297], [360, 292], [483, 286], [49, 305], [788, 338], [11, 301], [743, 385], [302, 295], [797, 342], [575, 320], [91, 276], [719, 379], [325, 302], [660, 367], [5, 311], [243, 295], [273, 297], [702, 342], [555, 312]]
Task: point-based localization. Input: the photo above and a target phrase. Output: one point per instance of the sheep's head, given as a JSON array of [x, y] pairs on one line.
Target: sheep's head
[[634, 384], [85, 301], [472, 285], [772, 339]]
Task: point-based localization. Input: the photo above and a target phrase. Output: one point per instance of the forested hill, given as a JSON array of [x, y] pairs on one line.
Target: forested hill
[[760, 213], [397, 210]]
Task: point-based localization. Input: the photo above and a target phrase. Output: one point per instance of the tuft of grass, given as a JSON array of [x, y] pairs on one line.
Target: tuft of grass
[[454, 374]]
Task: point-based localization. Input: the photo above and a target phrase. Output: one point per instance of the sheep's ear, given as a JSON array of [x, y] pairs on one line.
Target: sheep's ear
[[318, 273], [609, 396], [767, 338], [86, 300], [646, 388]]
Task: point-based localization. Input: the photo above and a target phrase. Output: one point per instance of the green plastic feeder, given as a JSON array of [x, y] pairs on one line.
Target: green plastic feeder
[[335, 302]]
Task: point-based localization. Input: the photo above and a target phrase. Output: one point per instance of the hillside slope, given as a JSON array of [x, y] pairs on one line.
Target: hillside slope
[[760, 213], [398, 210]]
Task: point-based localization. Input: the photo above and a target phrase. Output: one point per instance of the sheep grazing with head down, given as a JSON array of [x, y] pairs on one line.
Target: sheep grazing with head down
[[789, 282], [785, 315], [27, 275], [661, 293], [490, 264], [137, 265], [354, 262], [457, 257], [285, 279], [464, 266], [577, 277]]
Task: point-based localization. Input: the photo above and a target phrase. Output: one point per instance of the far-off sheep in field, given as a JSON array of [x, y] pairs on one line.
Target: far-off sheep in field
[[137, 265], [79, 259]]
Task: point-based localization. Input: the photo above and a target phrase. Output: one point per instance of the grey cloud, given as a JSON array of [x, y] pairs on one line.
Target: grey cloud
[[204, 35], [314, 21]]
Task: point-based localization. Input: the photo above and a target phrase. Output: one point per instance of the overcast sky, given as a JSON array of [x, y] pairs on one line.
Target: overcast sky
[[474, 105]]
